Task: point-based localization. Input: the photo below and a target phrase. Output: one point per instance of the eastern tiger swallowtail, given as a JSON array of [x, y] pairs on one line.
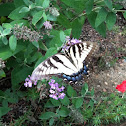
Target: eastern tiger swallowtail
[[69, 65]]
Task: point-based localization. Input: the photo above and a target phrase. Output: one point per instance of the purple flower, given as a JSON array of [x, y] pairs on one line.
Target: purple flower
[[56, 91], [47, 25], [29, 82], [70, 42]]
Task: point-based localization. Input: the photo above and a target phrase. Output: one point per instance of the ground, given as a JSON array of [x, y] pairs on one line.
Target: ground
[[109, 65]]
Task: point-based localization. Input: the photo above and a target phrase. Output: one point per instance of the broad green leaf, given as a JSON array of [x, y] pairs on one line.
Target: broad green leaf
[[108, 4], [124, 14], [62, 19], [4, 110], [110, 20], [6, 32], [36, 44], [18, 3], [77, 25], [101, 17], [39, 24], [71, 92], [51, 17], [19, 74], [37, 17], [64, 112], [48, 104], [51, 121], [13, 42], [55, 102], [89, 6], [79, 102], [47, 115], [51, 51], [44, 16], [92, 92], [5, 51], [39, 2], [67, 32], [46, 3], [77, 5], [5, 41], [1, 29], [91, 18], [65, 101], [24, 10], [102, 29], [62, 36], [6, 8], [15, 15], [7, 25], [28, 2]]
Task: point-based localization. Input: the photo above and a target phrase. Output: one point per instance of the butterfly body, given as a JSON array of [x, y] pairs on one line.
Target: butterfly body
[[69, 65]]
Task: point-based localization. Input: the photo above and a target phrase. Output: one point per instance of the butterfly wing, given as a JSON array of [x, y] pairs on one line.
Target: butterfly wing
[[54, 65], [68, 63]]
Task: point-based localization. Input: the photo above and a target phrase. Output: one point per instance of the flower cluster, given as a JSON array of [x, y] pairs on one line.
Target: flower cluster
[[29, 82], [25, 33], [47, 25], [70, 42], [122, 87], [54, 11], [2, 65], [56, 91]]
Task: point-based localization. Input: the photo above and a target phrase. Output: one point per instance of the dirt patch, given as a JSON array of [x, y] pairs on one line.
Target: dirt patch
[[109, 66]]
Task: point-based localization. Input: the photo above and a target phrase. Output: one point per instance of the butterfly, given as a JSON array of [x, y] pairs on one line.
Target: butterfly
[[69, 64]]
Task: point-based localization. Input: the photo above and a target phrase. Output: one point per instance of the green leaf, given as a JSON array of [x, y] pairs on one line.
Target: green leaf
[[89, 6], [5, 41], [51, 121], [102, 29], [110, 20], [51, 51], [46, 3], [101, 17], [1, 29], [108, 4], [18, 3], [25, 22], [55, 102], [6, 32], [7, 25], [77, 25], [5, 51], [24, 10], [71, 92], [15, 15], [44, 16], [124, 14], [91, 18], [28, 2], [65, 101], [84, 89], [62, 36], [37, 17], [36, 44], [47, 115], [79, 102], [4, 110], [51, 17], [64, 112], [13, 42], [62, 19], [2, 73], [19, 74], [6, 8], [92, 92]]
